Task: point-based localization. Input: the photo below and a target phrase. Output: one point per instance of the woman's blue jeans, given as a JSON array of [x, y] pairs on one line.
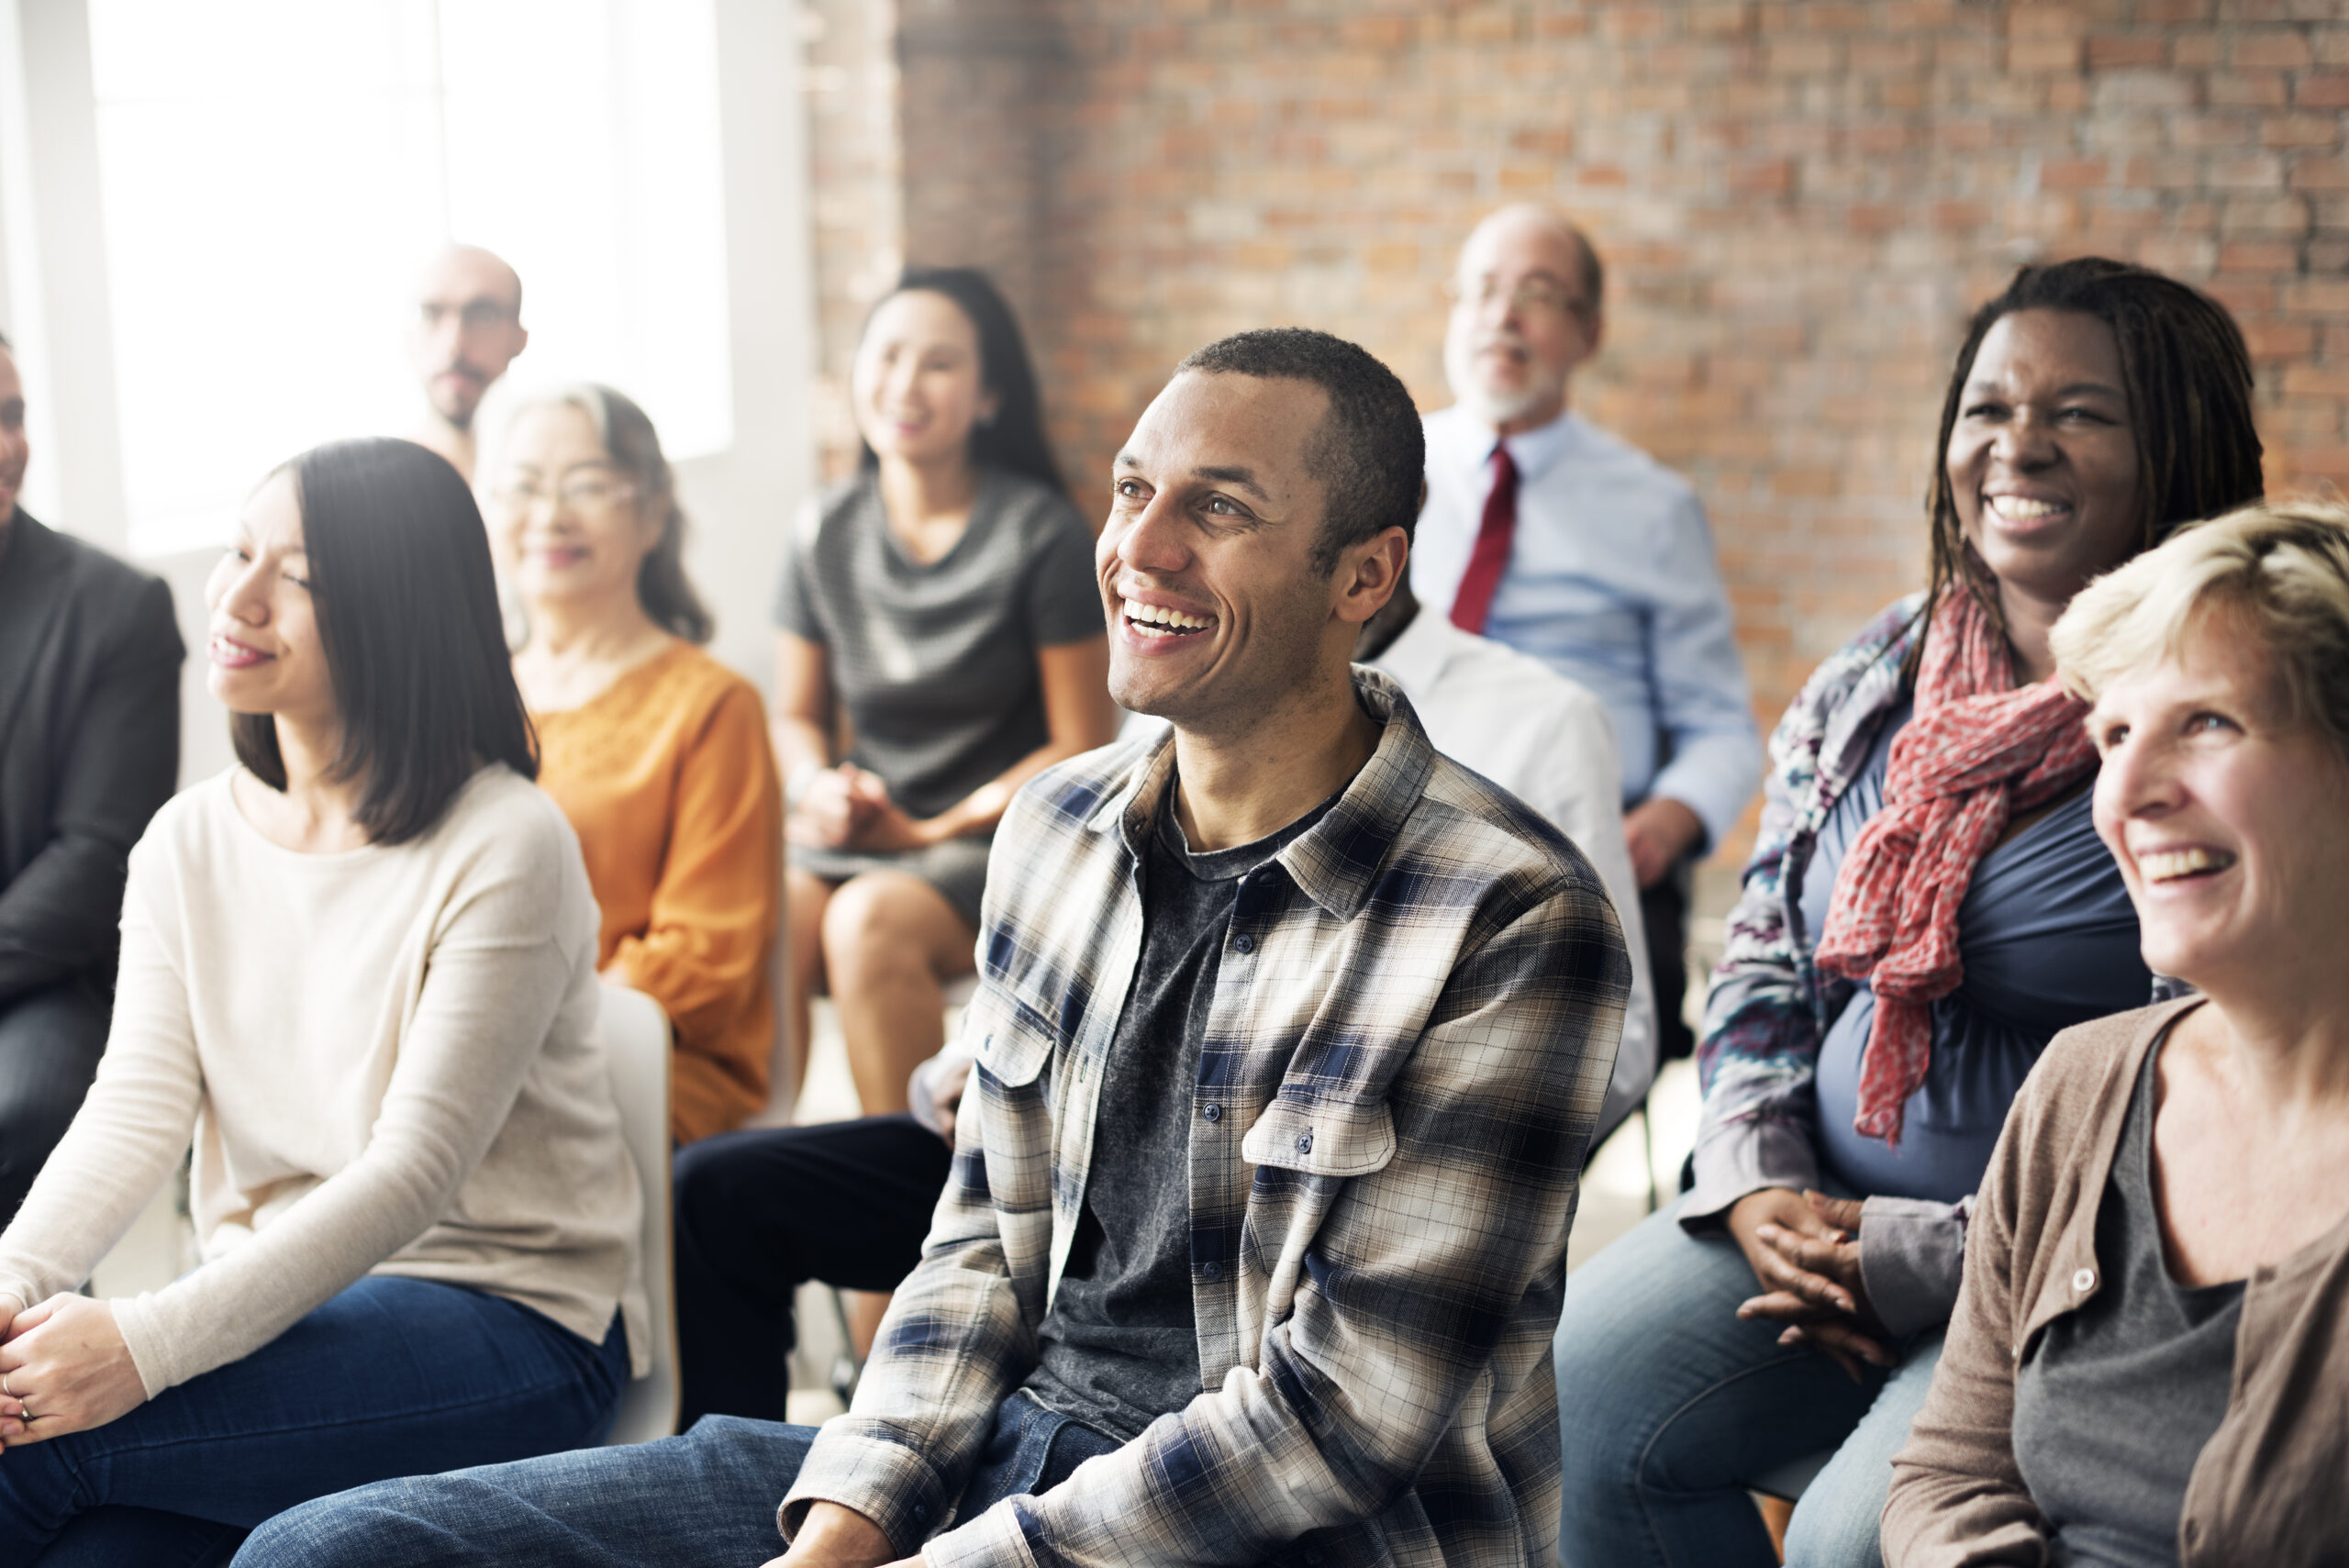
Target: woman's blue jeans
[[390, 1377], [704, 1500], [1669, 1405]]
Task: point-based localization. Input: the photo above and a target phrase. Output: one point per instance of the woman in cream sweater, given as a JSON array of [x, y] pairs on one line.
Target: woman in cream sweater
[[359, 976]]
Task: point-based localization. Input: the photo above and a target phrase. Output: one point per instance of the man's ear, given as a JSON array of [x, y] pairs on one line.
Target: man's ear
[[1368, 573]]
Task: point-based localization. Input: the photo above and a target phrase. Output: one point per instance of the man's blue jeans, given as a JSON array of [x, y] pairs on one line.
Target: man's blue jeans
[[707, 1497], [1669, 1403], [392, 1375]]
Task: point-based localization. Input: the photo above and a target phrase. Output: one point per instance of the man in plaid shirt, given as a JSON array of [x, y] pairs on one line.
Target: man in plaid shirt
[[1290, 1037]]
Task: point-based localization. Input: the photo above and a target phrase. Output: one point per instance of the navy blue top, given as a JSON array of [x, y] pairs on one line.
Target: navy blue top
[[2049, 939]]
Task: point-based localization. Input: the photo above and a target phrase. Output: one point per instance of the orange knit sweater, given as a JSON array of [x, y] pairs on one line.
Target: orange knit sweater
[[669, 780]]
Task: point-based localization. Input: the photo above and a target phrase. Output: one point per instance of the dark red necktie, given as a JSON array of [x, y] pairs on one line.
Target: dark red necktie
[[1474, 602]]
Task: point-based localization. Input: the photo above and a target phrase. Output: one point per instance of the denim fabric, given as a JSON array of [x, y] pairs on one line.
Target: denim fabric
[[1669, 1405], [706, 1498], [391, 1376]]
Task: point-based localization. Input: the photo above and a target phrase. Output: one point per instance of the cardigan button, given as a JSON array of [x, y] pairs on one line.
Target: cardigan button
[[2084, 1280]]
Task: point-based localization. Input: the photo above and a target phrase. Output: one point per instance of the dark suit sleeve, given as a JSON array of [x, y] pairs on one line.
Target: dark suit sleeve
[[120, 758]]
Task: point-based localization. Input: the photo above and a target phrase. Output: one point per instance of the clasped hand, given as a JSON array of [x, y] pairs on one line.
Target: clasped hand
[[845, 808], [66, 1369], [1805, 1251]]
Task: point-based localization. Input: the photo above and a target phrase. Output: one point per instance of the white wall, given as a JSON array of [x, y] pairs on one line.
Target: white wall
[[54, 302]]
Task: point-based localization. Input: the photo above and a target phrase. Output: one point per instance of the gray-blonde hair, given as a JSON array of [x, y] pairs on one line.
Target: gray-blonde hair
[[634, 447], [2278, 572]]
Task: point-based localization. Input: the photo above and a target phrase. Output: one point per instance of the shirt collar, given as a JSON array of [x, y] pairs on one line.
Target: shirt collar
[[1535, 450], [1336, 861], [1415, 660]]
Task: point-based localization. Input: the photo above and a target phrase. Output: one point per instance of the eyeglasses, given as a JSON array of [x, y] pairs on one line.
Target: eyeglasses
[[587, 492], [1533, 296], [473, 315]]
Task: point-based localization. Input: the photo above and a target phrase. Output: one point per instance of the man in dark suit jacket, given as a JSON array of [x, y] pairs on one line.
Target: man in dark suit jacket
[[89, 747]]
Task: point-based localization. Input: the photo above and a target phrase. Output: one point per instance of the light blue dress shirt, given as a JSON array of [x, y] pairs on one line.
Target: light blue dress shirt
[[1611, 582]]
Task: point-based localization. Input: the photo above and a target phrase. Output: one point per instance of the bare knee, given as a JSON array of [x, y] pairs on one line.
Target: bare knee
[[870, 930]]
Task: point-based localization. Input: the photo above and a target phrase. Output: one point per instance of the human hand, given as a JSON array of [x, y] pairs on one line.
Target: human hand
[[883, 824], [1659, 831], [64, 1369], [1805, 1251], [947, 1095], [831, 810], [835, 1536]]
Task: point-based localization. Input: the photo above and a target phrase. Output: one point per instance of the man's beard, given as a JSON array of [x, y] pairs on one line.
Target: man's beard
[[1493, 408]]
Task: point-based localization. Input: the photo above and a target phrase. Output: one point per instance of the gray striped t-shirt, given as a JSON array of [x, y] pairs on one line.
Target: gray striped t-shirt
[[935, 664]]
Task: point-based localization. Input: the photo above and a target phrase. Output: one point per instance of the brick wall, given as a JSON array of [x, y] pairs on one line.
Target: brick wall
[[1798, 205]]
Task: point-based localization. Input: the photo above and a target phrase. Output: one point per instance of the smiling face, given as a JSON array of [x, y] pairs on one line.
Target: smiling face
[[1520, 321], [264, 643], [569, 528], [15, 449], [918, 386], [1206, 563], [2229, 822], [2043, 461]]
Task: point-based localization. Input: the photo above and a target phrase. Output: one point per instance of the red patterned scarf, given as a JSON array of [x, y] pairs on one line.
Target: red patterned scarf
[[1977, 752]]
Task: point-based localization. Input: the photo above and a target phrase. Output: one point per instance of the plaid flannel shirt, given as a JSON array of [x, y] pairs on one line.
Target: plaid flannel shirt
[[1411, 1033]]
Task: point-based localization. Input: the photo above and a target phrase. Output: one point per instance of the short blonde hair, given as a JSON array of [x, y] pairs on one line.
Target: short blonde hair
[[2280, 573]]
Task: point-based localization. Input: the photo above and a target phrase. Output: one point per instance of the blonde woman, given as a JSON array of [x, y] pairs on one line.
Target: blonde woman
[[2150, 1357]]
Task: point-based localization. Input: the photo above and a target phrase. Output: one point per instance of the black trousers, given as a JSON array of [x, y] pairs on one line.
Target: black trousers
[[1663, 916], [51, 1041], [762, 1212]]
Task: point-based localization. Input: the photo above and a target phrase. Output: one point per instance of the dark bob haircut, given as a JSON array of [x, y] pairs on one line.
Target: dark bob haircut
[[1014, 439], [2187, 375], [1370, 454], [408, 615]]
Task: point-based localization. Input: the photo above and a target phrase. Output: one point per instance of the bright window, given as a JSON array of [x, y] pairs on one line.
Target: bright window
[[274, 173]]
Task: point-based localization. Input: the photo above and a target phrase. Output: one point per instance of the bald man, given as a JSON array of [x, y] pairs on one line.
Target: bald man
[[468, 328], [1547, 533]]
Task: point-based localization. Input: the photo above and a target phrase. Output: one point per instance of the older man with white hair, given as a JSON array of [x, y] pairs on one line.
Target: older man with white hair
[[1547, 533]]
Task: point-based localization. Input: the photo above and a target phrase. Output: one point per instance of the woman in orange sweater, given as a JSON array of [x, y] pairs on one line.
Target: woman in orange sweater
[[656, 752]]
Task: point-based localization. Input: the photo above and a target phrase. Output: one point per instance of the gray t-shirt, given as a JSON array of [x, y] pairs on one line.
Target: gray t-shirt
[[1120, 1346], [2115, 1402], [935, 664]]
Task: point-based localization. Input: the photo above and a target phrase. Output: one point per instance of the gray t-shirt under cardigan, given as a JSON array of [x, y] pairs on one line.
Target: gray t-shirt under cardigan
[[934, 663]]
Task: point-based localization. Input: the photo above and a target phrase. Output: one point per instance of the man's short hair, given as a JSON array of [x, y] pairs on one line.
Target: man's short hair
[[1369, 454]]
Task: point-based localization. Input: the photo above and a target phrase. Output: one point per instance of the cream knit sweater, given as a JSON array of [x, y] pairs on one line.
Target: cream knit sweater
[[387, 1061]]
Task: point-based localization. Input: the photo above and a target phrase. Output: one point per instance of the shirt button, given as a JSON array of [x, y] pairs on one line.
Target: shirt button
[[1312, 1554], [1211, 1269], [922, 1512], [1305, 1143], [1243, 942], [1213, 1113], [2084, 1280]]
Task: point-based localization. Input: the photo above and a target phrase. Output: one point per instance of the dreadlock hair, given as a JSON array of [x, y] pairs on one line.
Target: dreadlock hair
[[2188, 377]]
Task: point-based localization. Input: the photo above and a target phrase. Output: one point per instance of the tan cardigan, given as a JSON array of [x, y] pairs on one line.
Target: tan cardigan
[[2271, 1486]]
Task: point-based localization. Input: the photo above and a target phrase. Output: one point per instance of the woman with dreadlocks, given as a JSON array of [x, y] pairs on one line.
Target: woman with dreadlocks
[[1927, 904]]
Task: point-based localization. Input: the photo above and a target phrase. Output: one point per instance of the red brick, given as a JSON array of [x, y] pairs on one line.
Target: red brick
[[2107, 51], [2301, 130], [2322, 90], [2259, 256], [2266, 47], [2043, 54], [2319, 174], [2074, 173]]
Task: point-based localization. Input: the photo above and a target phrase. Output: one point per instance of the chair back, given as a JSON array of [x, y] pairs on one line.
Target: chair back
[[635, 1041]]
